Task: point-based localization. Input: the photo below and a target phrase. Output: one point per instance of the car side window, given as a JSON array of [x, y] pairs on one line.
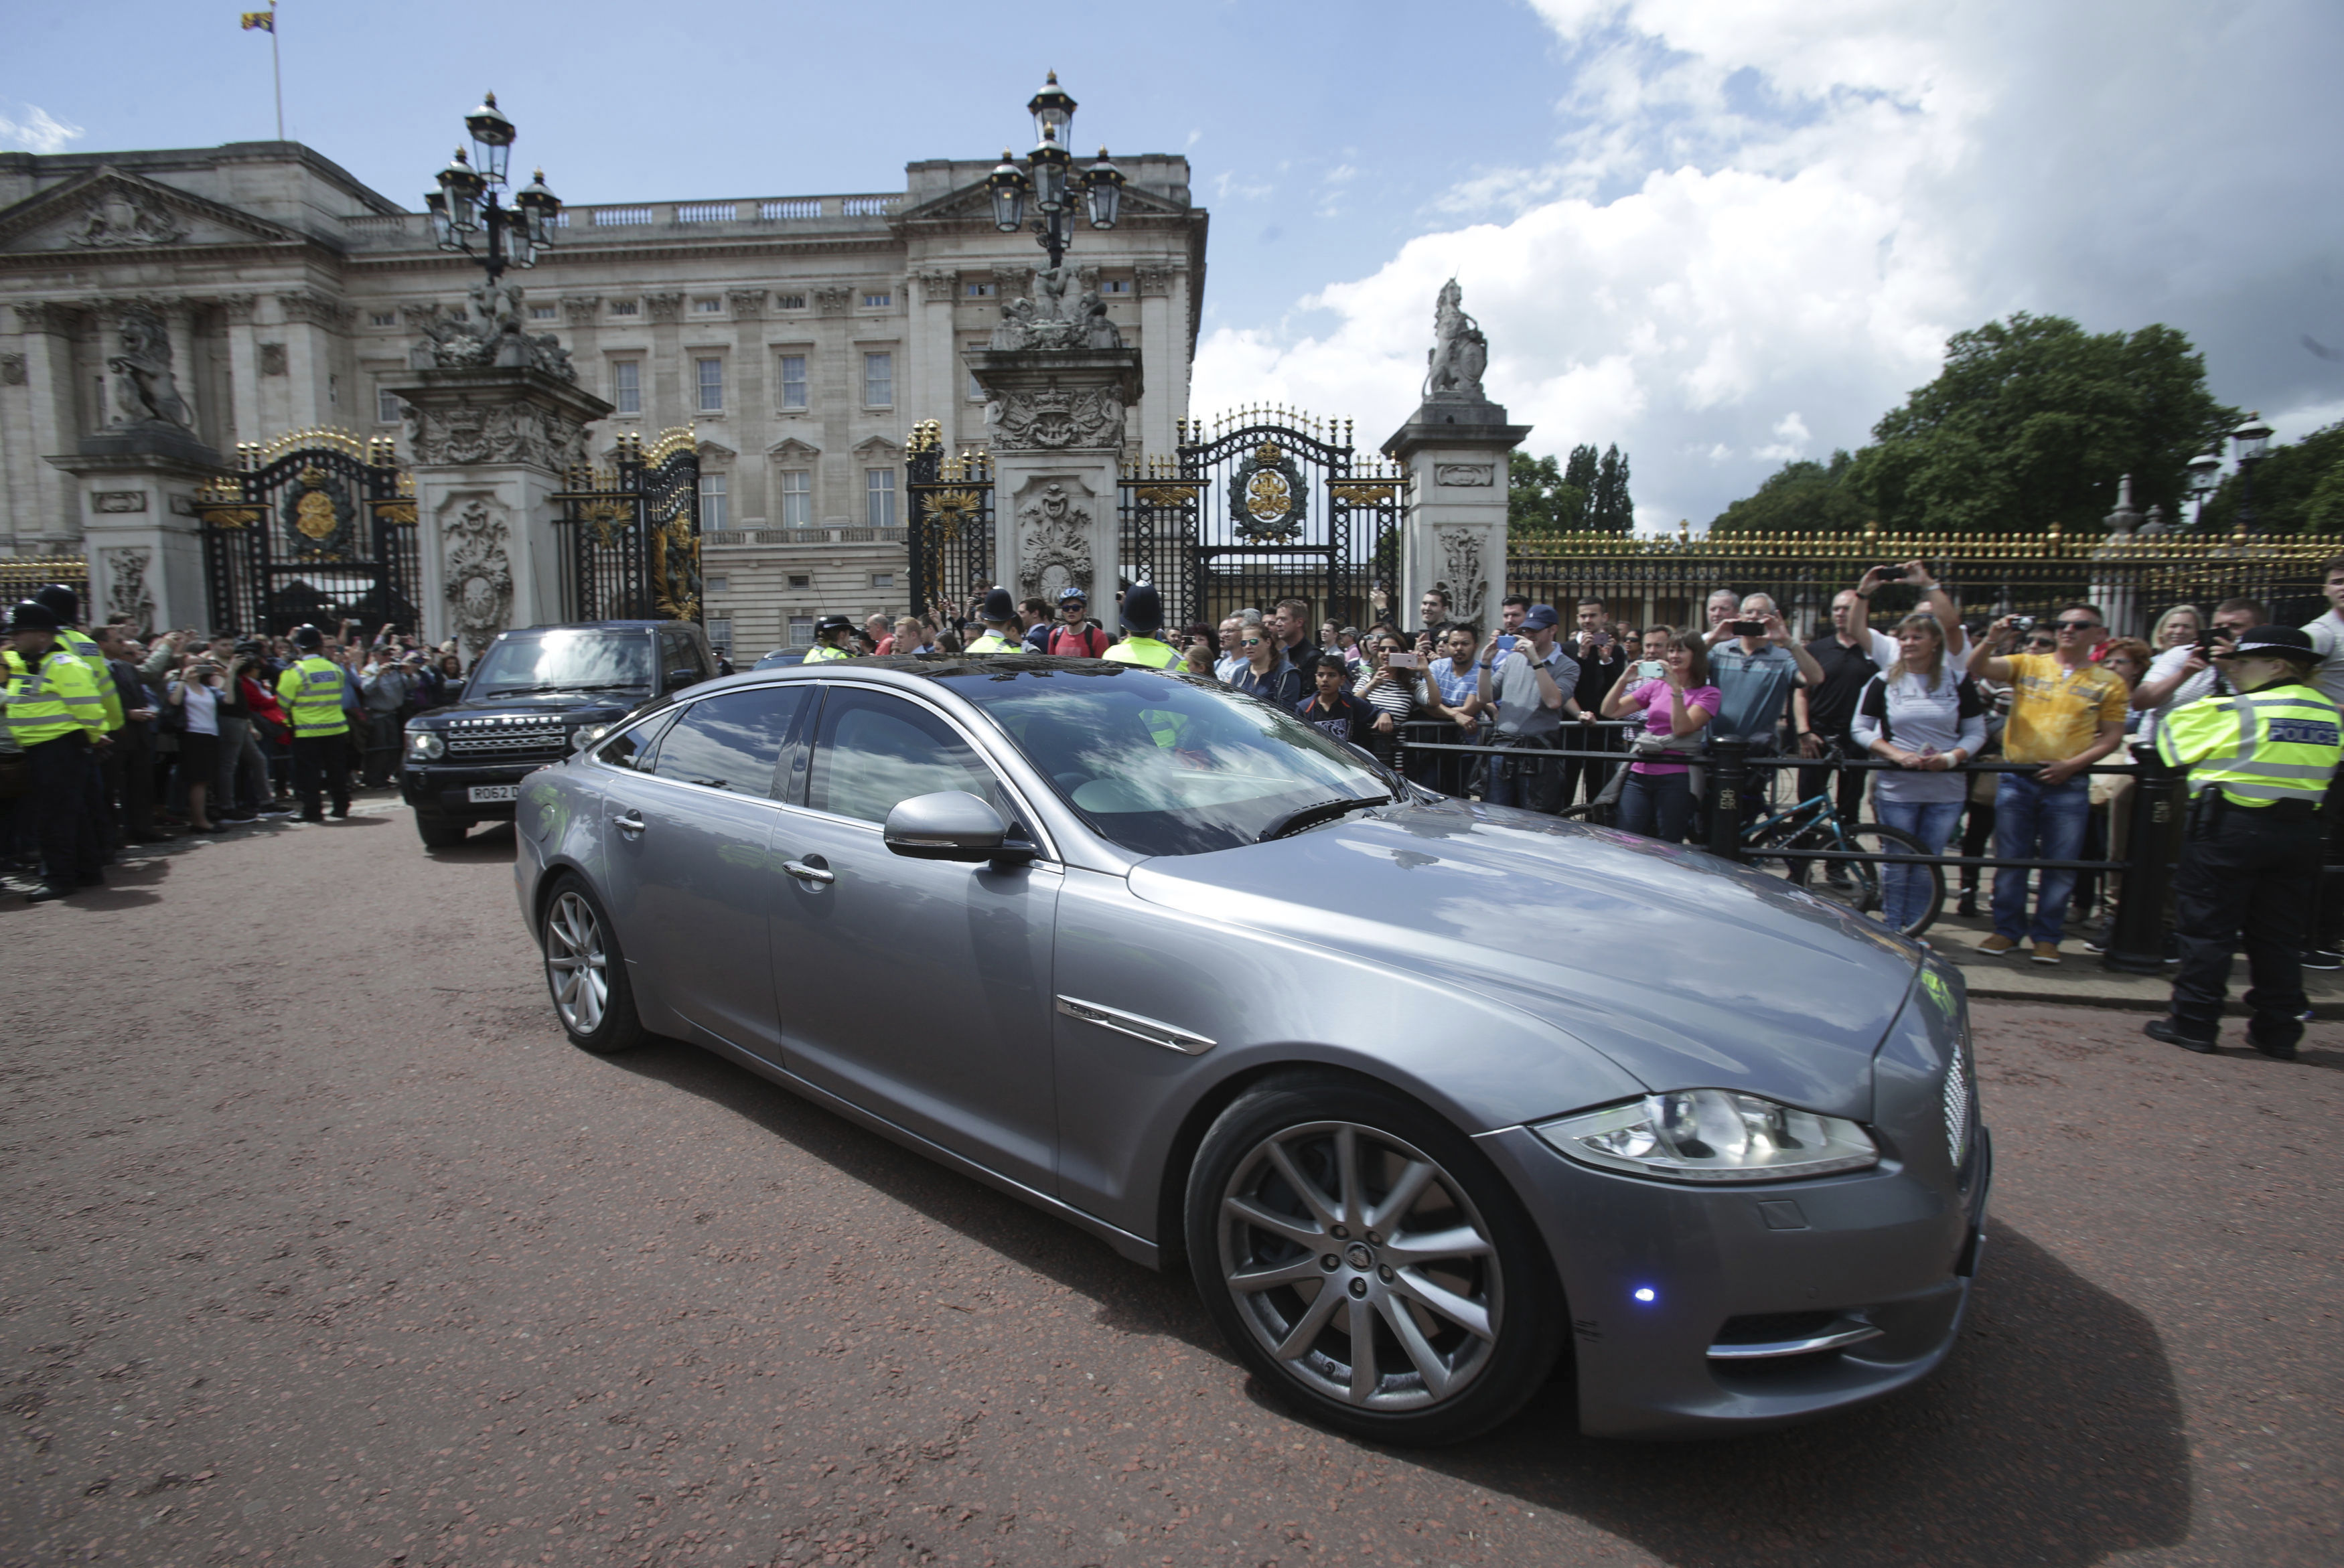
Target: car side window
[[633, 751], [730, 741], [874, 751]]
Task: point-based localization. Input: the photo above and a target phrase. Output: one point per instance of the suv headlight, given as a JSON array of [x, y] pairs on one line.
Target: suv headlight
[[426, 745], [1711, 1135], [585, 735]]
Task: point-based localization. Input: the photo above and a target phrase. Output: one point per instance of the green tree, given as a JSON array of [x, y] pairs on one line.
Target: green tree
[[2299, 489], [2030, 424], [1579, 472], [1803, 496], [1540, 502], [1609, 508]]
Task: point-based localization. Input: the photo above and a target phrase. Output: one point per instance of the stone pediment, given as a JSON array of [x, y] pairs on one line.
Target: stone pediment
[[975, 203], [875, 446], [793, 451], [112, 212], [716, 452]]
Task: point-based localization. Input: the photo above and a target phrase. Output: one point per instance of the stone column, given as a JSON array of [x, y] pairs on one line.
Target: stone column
[[753, 407], [243, 367], [1055, 421], [490, 446], [1160, 329], [1454, 451], [50, 424], [931, 368]]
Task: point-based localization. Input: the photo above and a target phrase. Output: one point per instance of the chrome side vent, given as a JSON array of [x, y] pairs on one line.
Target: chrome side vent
[[1957, 1102]]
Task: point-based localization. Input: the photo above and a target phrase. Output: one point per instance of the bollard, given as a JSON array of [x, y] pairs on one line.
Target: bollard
[[1727, 779], [2137, 935]]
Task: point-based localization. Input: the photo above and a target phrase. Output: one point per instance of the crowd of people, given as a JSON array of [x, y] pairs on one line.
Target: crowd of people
[[153, 735]]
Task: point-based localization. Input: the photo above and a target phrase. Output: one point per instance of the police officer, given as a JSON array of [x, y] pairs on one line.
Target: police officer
[[2260, 762], [52, 709], [1143, 619], [829, 634], [998, 612], [311, 689], [65, 604]]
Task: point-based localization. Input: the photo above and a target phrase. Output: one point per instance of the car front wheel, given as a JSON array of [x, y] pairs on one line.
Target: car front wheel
[[439, 830], [586, 972], [1368, 1262]]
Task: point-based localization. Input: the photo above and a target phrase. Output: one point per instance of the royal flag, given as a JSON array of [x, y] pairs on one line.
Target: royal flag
[[264, 20]]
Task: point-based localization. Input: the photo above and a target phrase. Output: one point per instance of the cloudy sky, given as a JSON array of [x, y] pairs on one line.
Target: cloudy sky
[[1719, 233]]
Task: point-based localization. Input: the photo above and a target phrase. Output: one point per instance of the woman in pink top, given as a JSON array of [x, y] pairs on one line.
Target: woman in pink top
[[1657, 798]]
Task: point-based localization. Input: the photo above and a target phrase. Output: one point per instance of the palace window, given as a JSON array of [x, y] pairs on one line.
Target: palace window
[[879, 497], [388, 407], [712, 512], [789, 302], [978, 290], [801, 625], [797, 503], [541, 312], [877, 301], [883, 579], [710, 377], [793, 380], [708, 306], [626, 307], [627, 386], [800, 580], [719, 634], [878, 380], [1114, 285], [383, 317], [718, 582]]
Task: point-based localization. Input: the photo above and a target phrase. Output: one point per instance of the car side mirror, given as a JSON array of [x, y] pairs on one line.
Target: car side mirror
[[949, 825], [677, 679]]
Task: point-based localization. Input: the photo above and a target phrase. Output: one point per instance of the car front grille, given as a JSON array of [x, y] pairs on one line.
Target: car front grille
[[510, 740], [1957, 1102]]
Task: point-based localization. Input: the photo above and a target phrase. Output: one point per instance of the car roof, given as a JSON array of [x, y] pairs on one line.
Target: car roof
[[594, 626]]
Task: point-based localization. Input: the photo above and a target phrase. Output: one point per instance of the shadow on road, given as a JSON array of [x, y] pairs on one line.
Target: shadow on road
[[492, 846], [2053, 1436]]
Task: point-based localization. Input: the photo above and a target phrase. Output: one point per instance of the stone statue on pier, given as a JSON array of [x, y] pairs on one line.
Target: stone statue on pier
[[1458, 354], [146, 392], [1043, 318], [490, 334]]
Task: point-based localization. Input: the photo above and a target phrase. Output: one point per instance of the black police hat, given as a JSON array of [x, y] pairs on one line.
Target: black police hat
[[998, 606], [309, 638], [1143, 609], [2276, 642], [31, 615], [833, 623], [62, 602]]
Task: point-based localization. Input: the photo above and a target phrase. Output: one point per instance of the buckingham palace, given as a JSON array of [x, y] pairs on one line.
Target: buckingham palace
[[801, 337]]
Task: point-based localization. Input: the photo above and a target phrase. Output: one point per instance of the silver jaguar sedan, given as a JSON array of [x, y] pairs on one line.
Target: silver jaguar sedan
[[1433, 1098]]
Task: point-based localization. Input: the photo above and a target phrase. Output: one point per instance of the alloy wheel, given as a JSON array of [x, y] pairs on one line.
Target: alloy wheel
[[1361, 1266], [577, 962]]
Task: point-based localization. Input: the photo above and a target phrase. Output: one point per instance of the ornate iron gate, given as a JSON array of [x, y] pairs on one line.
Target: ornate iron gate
[[1282, 508], [1158, 537], [316, 526], [951, 532], [630, 533]]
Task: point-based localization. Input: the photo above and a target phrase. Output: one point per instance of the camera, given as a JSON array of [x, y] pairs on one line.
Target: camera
[[2022, 623], [1747, 628]]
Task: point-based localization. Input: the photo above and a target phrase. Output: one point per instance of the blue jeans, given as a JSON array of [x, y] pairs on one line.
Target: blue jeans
[[1904, 889], [2032, 822], [1656, 805]]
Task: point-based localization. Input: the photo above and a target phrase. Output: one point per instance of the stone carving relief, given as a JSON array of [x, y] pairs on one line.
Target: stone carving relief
[[302, 305], [831, 300], [488, 333], [467, 433], [1465, 474], [126, 592], [146, 392], [1044, 317], [748, 304], [480, 575], [1154, 277], [664, 307], [1054, 544], [1459, 353], [1050, 420], [238, 307], [1461, 573], [582, 310], [941, 283], [45, 315], [272, 359], [119, 500], [11, 370], [119, 218]]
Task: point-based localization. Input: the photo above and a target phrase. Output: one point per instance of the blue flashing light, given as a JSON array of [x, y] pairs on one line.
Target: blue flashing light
[[1645, 1294]]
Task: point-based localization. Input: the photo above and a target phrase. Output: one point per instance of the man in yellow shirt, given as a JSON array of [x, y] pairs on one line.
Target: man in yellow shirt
[[2066, 714]]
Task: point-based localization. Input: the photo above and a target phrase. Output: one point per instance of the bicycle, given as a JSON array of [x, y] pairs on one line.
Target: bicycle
[[1815, 823]]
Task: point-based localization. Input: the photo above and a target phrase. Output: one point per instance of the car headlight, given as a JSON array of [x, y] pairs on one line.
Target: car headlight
[[585, 735], [1711, 1135], [426, 745]]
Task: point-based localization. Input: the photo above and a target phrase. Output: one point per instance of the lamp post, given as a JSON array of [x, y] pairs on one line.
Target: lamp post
[[1049, 182], [466, 203], [2205, 472], [2253, 439]]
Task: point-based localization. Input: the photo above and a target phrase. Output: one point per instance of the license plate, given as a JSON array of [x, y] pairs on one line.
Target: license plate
[[484, 794]]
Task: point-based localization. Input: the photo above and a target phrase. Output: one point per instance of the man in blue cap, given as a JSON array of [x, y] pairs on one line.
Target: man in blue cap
[[1530, 680], [1143, 619]]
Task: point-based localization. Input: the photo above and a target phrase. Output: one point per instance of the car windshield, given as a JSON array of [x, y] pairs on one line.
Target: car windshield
[[580, 660], [1163, 767]]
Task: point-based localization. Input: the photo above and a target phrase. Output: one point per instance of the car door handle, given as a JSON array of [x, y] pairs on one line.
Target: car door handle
[[805, 874], [630, 824]]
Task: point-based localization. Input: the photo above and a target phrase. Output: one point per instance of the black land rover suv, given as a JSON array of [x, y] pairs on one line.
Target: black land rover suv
[[524, 705]]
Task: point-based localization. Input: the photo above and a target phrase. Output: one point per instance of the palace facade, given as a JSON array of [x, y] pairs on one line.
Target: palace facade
[[801, 337]]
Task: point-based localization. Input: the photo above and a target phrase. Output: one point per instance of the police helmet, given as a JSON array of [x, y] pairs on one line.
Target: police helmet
[[830, 623], [62, 602], [998, 608], [1143, 610], [31, 615], [309, 638]]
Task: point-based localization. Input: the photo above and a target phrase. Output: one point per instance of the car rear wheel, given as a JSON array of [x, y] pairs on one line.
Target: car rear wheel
[[1368, 1262], [586, 972], [439, 830]]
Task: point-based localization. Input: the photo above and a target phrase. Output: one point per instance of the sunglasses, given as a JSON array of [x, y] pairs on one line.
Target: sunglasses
[[1251, 641], [2078, 625]]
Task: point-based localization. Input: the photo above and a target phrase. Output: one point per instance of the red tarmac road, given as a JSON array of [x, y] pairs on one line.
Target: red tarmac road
[[324, 1247]]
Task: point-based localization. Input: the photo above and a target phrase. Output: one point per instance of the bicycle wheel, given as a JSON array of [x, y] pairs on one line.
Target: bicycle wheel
[[1858, 884]]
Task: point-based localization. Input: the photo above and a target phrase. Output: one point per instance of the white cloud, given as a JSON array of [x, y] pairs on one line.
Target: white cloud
[[1761, 221], [37, 132]]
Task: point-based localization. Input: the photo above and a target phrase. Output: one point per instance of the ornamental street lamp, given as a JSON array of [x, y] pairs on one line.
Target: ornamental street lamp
[[1048, 179], [2253, 439], [2205, 472], [466, 203]]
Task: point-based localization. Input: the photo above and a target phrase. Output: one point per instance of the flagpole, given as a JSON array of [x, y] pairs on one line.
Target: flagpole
[[277, 69]]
